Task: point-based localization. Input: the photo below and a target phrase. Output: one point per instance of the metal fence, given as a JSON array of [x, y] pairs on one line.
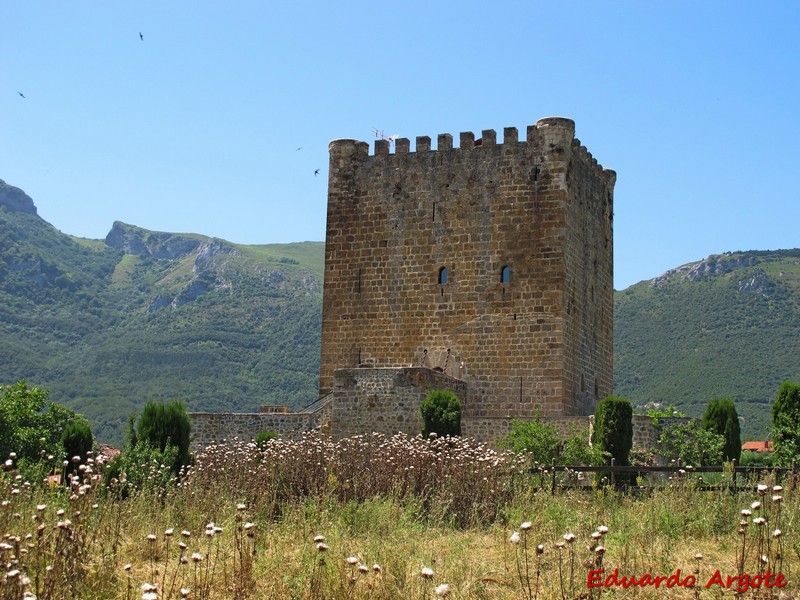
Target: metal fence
[[733, 477]]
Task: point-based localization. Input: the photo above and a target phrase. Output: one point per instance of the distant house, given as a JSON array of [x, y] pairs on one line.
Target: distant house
[[766, 446]]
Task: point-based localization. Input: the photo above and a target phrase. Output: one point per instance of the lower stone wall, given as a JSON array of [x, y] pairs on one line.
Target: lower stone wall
[[385, 400], [490, 430], [209, 428], [645, 434]]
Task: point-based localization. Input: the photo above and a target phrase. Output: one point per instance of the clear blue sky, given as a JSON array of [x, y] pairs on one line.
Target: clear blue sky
[[195, 128]]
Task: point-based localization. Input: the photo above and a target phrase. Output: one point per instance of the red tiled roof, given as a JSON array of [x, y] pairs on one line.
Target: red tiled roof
[[758, 446]]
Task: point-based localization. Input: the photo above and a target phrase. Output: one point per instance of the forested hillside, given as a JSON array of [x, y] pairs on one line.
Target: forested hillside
[[107, 325], [725, 326]]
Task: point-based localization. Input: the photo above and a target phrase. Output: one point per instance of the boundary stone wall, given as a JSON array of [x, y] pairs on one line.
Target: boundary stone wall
[[490, 430], [209, 428], [385, 401]]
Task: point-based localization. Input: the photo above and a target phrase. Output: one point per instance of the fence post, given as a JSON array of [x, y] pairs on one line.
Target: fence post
[[553, 479], [733, 462], [613, 478]]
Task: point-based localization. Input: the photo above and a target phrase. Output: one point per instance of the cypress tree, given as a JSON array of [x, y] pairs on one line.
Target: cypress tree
[[721, 418], [786, 423], [613, 428], [166, 424]]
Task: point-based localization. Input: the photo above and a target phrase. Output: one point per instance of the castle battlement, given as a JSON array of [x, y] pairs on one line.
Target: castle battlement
[[555, 131]]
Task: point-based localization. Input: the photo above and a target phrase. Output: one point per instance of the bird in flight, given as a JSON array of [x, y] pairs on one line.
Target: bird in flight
[[300, 148], [316, 172], [21, 94], [141, 37]]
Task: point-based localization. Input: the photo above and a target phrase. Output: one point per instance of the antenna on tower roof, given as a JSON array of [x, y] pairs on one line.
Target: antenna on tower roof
[[381, 136]]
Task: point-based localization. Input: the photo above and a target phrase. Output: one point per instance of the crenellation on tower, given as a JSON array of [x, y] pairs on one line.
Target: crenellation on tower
[[510, 135], [444, 142], [402, 146], [423, 143], [488, 138], [466, 140]]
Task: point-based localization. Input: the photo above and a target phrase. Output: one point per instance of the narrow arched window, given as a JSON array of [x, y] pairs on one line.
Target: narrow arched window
[[505, 274], [442, 275]]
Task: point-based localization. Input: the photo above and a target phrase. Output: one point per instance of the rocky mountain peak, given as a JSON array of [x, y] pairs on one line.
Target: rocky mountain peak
[[141, 242], [15, 199], [713, 266]]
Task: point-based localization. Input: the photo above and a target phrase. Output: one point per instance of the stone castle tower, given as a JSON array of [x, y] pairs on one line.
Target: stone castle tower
[[490, 263]]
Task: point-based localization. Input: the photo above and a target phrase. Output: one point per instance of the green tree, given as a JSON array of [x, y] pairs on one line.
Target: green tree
[[543, 443], [692, 444], [441, 413], [721, 418], [613, 428], [538, 440], [30, 425], [786, 423], [161, 425], [577, 451]]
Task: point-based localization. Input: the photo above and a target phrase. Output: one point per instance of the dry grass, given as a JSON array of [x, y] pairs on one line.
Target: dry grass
[[374, 517]]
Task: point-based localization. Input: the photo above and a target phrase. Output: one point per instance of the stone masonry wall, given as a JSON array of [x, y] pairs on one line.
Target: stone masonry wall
[[490, 430], [589, 302], [385, 400], [208, 428], [490, 261], [645, 434]]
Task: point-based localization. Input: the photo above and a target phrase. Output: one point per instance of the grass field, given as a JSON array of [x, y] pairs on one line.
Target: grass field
[[375, 517]]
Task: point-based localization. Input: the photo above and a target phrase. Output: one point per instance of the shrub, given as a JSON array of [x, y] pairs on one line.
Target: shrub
[[576, 451], [642, 457], [262, 437], [77, 440], [441, 413], [657, 413], [613, 428], [141, 467], [542, 443], [756, 459]]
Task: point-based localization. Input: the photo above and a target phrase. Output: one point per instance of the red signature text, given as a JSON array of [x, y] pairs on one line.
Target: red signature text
[[598, 578]]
